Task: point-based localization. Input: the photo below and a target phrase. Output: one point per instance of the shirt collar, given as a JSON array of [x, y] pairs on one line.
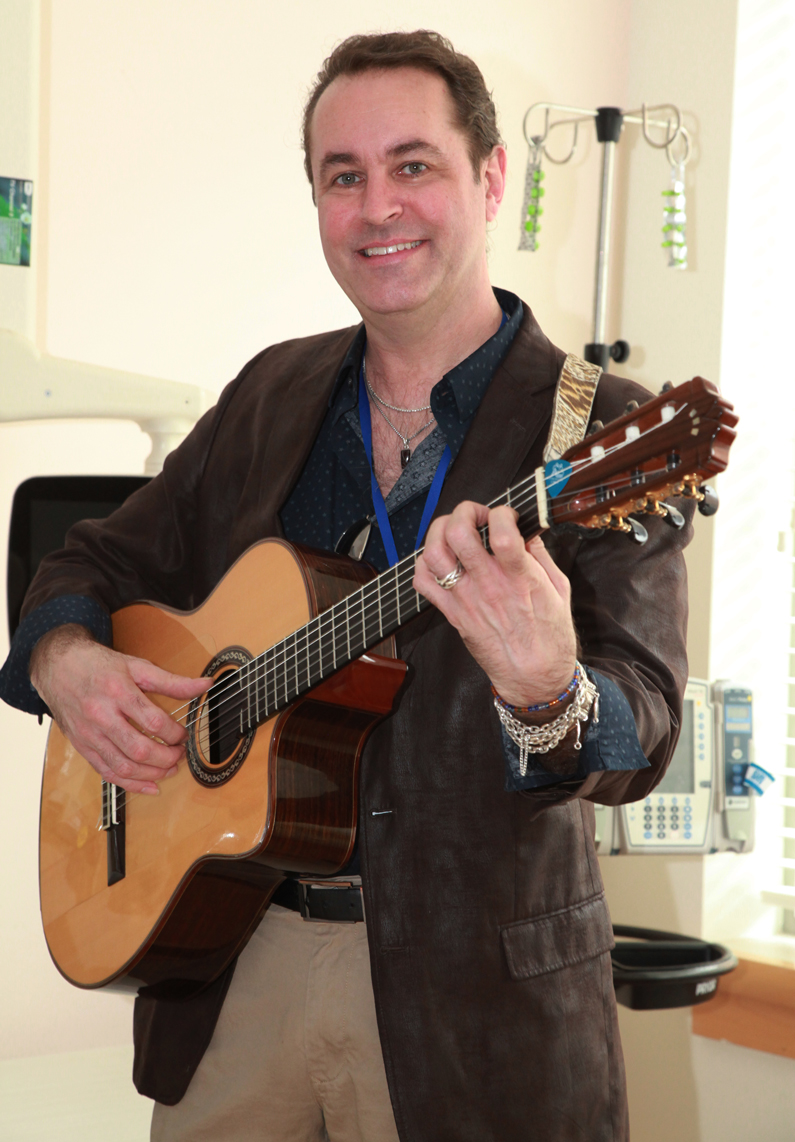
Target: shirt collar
[[462, 388]]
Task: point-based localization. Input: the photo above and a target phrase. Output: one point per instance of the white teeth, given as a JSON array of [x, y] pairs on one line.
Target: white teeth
[[375, 251]]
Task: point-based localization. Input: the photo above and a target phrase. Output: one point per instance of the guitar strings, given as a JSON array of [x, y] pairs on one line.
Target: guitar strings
[[509, 497], [514, 498], [279, 663], [265, 673], [518, 498]]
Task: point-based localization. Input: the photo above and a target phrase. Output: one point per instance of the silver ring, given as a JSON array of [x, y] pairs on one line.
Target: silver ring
[[448, 581]]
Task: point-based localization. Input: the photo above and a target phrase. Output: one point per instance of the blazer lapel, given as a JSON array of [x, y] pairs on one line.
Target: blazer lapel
[[515, 409]]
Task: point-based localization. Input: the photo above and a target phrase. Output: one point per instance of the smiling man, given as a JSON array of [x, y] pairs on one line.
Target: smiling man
[[456, 980]]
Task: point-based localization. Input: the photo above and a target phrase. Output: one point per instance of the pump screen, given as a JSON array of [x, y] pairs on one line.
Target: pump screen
[[740, 718], [680, 775]]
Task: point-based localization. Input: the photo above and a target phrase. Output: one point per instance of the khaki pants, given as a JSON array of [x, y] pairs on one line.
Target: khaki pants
[[296, 1055]]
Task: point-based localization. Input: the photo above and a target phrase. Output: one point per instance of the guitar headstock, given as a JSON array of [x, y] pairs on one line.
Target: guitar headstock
[[667, 446]]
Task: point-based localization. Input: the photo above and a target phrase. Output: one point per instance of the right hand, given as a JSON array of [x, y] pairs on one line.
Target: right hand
[[97, 697]]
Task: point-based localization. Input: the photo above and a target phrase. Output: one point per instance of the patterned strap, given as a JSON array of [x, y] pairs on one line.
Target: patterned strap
[[574, 398]]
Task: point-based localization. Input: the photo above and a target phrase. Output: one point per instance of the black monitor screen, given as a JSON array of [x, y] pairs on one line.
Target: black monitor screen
[[44, 509], [680, 776]]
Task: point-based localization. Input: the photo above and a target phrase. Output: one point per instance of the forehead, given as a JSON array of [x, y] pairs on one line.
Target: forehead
[[370, 111]]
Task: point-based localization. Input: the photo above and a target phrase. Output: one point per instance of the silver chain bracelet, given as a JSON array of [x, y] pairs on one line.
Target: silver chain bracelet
[[542, 739]]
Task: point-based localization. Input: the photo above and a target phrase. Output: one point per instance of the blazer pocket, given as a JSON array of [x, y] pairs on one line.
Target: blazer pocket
[[558, 939]]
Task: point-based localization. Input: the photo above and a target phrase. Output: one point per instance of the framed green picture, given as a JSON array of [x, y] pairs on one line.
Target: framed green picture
[[16, 214]]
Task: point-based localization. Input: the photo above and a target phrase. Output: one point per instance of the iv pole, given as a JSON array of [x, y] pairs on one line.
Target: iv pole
[[609, 123]]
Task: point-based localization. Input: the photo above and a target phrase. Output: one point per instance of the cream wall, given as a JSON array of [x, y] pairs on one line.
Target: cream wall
[[174, 235], [181, 238], [722, 319]]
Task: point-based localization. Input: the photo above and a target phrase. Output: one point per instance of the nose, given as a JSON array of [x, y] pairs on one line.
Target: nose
[[381, 202]]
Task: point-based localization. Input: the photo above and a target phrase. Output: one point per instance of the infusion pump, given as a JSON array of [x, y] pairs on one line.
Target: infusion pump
[[706, 800]]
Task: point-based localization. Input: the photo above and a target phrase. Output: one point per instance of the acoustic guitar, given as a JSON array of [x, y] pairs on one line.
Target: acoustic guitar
[[162, 892]]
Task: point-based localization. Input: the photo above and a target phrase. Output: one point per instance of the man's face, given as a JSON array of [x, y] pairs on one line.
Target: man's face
[[391, 169]]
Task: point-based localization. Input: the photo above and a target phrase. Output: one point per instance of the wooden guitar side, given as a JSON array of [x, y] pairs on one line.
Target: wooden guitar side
[[202, 862]]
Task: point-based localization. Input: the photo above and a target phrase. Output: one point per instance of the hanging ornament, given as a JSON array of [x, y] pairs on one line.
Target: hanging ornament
[[533, 193], [675, 219]]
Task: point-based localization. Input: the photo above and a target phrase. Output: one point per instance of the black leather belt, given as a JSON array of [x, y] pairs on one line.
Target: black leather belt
[[315, 901]]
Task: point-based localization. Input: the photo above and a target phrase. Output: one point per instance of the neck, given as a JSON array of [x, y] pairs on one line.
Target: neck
[[407, 354]]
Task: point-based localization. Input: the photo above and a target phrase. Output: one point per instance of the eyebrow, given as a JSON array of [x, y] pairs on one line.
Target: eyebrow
[[349, 158]]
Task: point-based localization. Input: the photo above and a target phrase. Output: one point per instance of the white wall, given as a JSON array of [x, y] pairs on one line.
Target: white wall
[[722, 318], [174, 235]]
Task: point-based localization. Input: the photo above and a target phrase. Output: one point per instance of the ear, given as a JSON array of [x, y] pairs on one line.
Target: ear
[[494, 171]]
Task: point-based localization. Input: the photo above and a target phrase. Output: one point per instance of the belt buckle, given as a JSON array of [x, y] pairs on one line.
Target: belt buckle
[[303, 904]]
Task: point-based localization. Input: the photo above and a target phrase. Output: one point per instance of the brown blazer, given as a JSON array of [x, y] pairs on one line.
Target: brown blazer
[[489, 933]]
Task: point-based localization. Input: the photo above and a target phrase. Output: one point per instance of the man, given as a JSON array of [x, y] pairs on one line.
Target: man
[[491, 1013]]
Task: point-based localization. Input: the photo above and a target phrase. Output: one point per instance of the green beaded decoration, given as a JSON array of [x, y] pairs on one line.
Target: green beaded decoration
[[675, 219], [531, 205]]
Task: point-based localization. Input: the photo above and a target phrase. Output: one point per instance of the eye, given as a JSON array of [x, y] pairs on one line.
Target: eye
[[414, 168], [347, 179]]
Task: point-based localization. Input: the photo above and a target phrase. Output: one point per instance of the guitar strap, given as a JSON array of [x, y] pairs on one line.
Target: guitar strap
[[574, 397]]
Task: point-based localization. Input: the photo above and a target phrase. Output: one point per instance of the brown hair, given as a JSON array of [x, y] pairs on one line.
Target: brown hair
[[474, 109]]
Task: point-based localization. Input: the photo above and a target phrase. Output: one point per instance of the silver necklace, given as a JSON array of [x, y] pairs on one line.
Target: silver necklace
[[405, 452], [393, 407]]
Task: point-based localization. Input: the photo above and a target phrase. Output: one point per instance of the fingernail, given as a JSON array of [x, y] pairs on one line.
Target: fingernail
[[151, 789]]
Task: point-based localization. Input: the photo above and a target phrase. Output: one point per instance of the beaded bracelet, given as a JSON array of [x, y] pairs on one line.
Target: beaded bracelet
[[542, 739], [572, 686]]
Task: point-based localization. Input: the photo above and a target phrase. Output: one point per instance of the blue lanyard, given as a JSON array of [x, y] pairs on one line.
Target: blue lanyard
[[434, 491], [381, 515]]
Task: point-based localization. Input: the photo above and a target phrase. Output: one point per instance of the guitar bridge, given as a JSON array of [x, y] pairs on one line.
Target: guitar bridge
[[113, 825]]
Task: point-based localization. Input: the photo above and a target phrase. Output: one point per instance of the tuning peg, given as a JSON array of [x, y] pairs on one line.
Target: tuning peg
[[710, 502], [639, 533], [633, 406], [673, 516], [596, 426], [666, 388]]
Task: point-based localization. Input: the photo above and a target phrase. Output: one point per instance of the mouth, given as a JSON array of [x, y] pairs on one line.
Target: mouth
[[380, 251]]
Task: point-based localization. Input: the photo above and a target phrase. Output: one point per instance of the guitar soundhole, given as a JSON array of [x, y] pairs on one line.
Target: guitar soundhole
[[216, 747]]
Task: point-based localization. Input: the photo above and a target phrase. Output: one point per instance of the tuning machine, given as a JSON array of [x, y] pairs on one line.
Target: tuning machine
[[708, 502], [704, 494], [623, 522]]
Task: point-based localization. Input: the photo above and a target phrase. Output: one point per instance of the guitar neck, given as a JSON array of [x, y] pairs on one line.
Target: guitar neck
[[349, 629]]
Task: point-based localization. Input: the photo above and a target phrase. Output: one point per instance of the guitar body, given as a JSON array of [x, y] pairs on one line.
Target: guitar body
[[164, 891], [201, 860]]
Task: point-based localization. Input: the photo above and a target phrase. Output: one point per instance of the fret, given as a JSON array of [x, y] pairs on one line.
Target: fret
[[331, 651], [256, 694], [333, 639], [397, 591], [283, 673], [309, 651], [263, 681], [380, 612], [318, 649], [269, 678], [248, 690], [295, 664], [320, 635]]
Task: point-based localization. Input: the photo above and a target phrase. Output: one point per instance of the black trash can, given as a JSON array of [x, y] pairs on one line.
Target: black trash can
[[652, 969]]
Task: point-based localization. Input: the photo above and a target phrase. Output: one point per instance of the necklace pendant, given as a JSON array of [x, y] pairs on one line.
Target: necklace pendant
[[405, 456]]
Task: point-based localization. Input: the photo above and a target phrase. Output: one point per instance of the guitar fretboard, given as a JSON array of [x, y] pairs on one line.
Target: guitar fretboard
[[344, 631]]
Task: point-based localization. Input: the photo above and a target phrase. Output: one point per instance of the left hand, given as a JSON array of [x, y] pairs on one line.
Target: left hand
[[512, 608]]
